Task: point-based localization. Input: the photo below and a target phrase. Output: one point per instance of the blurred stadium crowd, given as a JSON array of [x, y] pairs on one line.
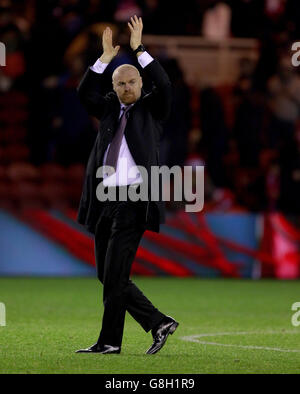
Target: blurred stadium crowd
[[247, 134]]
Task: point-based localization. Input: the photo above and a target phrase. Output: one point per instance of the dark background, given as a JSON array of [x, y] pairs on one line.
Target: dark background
[[250, 149]]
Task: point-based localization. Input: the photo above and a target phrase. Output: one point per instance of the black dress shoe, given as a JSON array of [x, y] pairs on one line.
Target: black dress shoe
[[160, 334], [105, 349]]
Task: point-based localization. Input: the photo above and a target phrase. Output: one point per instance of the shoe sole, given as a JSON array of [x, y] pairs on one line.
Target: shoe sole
[[172, 329], [87, 352], [113, 352], [116, 351]]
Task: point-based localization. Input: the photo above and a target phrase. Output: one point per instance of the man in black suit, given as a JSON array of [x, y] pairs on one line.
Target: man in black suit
[[130, 130]]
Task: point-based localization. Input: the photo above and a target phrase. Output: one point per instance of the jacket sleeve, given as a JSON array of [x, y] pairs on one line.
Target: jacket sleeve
[[89, 92], [160, 98]]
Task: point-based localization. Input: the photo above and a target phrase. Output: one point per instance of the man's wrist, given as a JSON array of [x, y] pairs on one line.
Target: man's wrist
[[99, 67], [105, 59], [139, 49], [135, 46]]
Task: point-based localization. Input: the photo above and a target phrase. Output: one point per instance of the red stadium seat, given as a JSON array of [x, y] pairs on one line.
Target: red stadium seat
[[13, 98], [3, 173], [52, 172], [14, 135], [75, 173], [23, 171], [54, 194], [14, 153]]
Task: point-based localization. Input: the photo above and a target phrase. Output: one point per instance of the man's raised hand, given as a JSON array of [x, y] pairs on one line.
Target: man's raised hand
[[136, 28], [109, 52]]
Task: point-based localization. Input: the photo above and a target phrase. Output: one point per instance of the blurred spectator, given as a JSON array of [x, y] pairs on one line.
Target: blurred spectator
[[12, 37], [293, 17], [246, 18], [152, 16], [249, 116], [290, 175], [272, 186], [72, 133], [267, 63], [173, 149], [274, 15], [216, 21], [125, 9], [284, 102], [214, 133]]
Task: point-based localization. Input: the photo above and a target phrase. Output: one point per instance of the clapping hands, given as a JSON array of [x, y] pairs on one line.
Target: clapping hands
[[136, 28], [109, 51]]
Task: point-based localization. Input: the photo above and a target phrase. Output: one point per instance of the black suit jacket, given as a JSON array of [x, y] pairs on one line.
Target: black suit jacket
[[143, 133]]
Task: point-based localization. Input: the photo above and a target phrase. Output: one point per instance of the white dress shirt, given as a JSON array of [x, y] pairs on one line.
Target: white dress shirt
[[125, 161]]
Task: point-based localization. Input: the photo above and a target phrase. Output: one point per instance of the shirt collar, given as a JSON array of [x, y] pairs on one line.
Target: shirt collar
[[123, 106]]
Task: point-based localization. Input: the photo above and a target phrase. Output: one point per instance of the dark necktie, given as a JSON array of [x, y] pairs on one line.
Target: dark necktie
[[114, 148]]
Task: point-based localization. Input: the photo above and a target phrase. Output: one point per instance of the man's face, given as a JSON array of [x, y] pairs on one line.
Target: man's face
[[127, 83]]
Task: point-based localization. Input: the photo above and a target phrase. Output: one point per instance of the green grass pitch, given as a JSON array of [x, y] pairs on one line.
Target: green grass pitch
[[245, 326]]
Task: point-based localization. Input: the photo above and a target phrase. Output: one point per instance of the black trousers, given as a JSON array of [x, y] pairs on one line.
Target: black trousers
[[117, 236]]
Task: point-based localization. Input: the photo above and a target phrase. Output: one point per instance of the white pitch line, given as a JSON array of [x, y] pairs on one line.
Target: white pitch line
[[194, 338]]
